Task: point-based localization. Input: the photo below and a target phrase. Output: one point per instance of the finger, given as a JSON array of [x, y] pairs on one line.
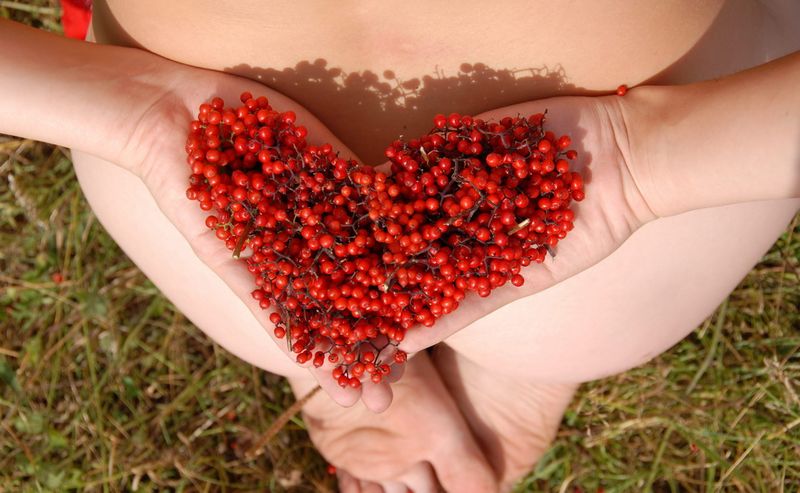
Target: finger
[[396, 374], [420, 338], [376, 396], [344, 396], [387, 355], [472, 308], [347, 483]]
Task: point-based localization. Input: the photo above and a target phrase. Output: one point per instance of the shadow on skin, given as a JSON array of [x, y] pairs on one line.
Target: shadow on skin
[[368, 111]]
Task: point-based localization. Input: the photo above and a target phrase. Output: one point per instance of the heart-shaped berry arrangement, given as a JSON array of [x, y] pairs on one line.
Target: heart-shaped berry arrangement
[[350, 257]]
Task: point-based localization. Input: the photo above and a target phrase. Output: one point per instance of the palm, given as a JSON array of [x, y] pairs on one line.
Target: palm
[[612, 211]]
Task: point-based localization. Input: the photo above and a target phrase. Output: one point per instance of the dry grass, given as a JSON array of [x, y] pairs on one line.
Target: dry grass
[[104, 386]]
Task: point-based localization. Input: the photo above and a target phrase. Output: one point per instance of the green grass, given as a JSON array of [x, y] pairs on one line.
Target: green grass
[[105, 386]]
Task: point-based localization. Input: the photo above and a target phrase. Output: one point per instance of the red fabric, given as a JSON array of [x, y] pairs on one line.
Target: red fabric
[[75, 18]]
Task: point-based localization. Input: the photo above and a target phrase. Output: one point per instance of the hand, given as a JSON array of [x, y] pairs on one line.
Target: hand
[[613, 208], [155, 152], [133, 108], [612, 211], [419, 443]]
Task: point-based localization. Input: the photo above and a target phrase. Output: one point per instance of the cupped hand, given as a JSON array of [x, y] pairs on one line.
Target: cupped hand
[[155, 153], [612, 211], [420, 443]]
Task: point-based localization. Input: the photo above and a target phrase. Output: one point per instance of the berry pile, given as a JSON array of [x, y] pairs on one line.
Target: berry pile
[[351, 258]]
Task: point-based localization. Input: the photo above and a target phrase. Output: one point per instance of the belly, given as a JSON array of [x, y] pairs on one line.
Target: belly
[[372, 71]]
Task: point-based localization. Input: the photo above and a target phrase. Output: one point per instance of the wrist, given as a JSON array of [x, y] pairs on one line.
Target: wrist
[[75, 94], [130, 111], [628, 131], [718, 142], [640, 111]]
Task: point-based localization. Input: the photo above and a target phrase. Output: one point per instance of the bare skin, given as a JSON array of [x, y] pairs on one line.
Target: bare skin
[[602, 318], [389, 450]]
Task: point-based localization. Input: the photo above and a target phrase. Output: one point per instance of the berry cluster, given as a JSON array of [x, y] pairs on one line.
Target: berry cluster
[[350, 257]]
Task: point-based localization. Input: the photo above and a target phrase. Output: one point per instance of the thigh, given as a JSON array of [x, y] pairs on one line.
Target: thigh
[[632, 306], [645, 297], [128, 212]]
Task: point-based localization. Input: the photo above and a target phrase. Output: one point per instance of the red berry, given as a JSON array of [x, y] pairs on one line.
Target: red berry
[[494, 160], [349, 257], [544, 146]]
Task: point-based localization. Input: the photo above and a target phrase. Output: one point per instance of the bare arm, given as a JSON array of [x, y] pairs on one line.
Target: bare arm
[[75, 94], [718, 142], [102, 100]]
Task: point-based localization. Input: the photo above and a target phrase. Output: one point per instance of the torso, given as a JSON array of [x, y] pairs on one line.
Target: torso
[[372, 71]]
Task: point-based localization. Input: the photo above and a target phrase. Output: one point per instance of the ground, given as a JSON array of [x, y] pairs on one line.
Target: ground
[[104, 386]]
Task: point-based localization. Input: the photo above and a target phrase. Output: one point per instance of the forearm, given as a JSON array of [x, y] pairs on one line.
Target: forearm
[[718, 142], [71, 93]]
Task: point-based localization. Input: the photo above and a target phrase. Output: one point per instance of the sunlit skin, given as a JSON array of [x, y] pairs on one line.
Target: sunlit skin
[[630, 285]]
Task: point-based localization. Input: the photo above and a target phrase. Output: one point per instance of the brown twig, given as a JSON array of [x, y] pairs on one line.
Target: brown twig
[[237, 252], [279, 423]]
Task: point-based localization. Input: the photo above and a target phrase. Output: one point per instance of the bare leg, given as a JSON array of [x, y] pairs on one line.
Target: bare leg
[[390, 449], [639, 301], [514, 372], [128, 212], [622, 312], [513, 421]]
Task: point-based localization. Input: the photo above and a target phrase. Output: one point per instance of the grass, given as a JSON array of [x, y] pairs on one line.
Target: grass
[[105, 386]]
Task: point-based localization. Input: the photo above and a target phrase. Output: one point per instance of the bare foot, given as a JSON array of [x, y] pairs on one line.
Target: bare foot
[[514, 422], [419, 443]]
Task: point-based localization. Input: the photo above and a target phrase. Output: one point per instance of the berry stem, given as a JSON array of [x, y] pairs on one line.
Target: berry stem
[[519, 226], [242, 239]]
